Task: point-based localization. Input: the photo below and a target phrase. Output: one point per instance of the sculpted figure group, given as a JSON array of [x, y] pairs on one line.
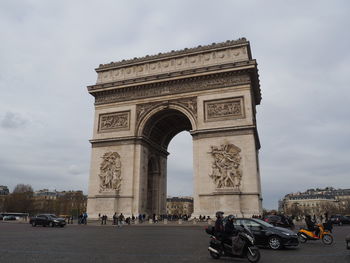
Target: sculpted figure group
[[110, 172], [225, 167]]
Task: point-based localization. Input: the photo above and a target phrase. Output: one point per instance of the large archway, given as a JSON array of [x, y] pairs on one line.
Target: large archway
[[141, 104], [159, 129]]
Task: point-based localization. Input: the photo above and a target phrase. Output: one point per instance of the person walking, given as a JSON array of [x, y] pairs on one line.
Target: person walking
[[85, 216], [115, 218]]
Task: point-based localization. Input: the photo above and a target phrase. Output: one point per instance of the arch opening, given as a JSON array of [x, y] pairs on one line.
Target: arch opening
[[180, 180], [164, 125], [160, 129]]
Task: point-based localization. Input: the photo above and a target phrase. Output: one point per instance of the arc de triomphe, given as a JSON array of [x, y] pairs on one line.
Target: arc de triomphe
[[142, 103]]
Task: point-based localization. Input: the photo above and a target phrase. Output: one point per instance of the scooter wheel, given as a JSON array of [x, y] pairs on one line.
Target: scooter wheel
[[253, 254], [327, 239], [214, 255], [301, 238]]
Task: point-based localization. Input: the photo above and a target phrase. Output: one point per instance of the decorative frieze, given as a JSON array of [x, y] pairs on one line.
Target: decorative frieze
[[168, 64], [110, 172], [224, 109], [170, 88], [114, 121], [226, 173]]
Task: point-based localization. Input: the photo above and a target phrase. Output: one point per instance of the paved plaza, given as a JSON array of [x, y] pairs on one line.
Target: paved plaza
[[141, 243]]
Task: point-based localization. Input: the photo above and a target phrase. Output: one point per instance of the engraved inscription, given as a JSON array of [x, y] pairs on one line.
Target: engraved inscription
[[114, 121], [224, 109]]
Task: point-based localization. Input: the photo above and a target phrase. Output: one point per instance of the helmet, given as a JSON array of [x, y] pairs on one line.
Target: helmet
[[219, 214], [231, 217]]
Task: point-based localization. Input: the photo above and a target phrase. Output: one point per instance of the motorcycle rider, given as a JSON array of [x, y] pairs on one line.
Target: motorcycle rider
[[219, 224], [311, 225], [230, 232]]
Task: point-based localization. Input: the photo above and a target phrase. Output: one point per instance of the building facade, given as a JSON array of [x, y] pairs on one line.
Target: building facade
[[179, 206], [60, 202], [4, 190], [316, 202]]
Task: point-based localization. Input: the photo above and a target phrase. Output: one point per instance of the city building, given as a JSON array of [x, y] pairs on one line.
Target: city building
[[61, 202], [316, 202], [179, 206], [4, 190]]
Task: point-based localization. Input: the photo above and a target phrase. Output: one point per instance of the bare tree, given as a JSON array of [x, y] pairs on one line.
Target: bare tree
[[23, 188], [21, 199]]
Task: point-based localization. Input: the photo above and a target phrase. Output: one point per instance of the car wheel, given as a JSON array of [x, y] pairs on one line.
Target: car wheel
[[33, 224], [61, 225], [51, 224], [275, 242]]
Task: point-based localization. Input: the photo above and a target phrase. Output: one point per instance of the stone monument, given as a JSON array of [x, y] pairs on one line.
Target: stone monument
[[142, 103]]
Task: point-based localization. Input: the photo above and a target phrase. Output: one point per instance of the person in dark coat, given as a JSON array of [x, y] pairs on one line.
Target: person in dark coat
[[219, 224], [311, 226]]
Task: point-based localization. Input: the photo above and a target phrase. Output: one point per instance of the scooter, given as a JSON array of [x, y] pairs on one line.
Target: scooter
[[324, 235], [217, 248]]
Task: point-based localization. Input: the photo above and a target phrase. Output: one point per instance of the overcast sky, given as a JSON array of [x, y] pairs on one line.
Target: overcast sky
[[49, 50]]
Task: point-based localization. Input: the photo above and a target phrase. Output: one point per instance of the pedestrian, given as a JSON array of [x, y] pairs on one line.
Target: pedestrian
[[80, 218], [85, 216], [121, 218], [115, 218]]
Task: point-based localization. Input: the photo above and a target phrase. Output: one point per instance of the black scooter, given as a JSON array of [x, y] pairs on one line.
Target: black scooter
[[245, 248]]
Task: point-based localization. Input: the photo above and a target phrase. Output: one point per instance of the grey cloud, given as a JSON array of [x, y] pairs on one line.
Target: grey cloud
[[13, 120]]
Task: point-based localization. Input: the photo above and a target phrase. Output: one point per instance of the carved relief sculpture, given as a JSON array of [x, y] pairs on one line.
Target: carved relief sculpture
[[224, 109], [113, 121], [189, 103], [110, 172], [225, 167]]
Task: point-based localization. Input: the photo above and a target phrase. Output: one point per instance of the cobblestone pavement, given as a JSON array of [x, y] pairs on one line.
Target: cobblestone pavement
[[142, 243]]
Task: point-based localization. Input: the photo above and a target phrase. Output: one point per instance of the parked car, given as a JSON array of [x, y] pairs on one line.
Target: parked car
[[47, 220], [268, 235], [9, 218], [339, 220], [279, 220]]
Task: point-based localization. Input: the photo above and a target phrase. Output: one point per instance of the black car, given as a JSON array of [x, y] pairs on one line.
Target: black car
[[279, 220], [268, 235], [339, 220], [47, 220]]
